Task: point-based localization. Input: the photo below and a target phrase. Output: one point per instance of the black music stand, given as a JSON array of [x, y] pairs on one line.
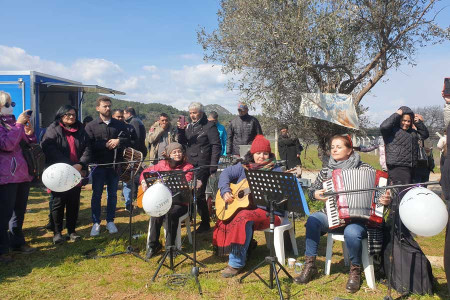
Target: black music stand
[[178, 185], [281, 190]]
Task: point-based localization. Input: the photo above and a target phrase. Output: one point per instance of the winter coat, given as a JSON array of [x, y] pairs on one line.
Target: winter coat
[[56, 148], [13, 167], [242, 131], [154, 138], [289, 148], [163, 165], [99, 133], [139, 128], [223, 138], [202, 143], [402, 145]]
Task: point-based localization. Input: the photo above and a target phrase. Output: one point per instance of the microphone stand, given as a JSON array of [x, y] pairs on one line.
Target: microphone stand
[[129, 249]]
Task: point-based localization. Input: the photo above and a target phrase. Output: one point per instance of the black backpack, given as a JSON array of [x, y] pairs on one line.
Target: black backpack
[[35, 158]]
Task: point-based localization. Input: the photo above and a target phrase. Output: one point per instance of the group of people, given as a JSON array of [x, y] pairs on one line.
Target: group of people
[[198, 145]]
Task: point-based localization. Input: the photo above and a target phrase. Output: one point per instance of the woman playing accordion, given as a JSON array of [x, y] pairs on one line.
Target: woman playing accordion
[[342, 157]]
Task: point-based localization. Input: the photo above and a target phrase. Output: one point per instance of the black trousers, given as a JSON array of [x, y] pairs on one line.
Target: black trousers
[[69, 200], [447, 254], [16, 237], [400, 175], [8, 193], [202, 206], [173, 215]]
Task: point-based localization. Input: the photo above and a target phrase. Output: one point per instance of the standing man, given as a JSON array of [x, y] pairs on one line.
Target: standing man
[[108, 137], [242, 130], [289, 148], [132, 119], [203, 148], [214, 117], [118, 114], [160, 135]]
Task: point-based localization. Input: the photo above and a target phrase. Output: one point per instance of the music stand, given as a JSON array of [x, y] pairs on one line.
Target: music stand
[[178, 185], [274, 189]]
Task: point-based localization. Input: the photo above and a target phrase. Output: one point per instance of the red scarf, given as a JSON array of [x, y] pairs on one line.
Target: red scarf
[[68, 132]]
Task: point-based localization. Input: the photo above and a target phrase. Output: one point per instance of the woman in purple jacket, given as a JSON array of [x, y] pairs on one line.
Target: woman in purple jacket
[[14, 178]]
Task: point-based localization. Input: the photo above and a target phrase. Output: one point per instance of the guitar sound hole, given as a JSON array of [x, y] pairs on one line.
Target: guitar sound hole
[[241, 194]]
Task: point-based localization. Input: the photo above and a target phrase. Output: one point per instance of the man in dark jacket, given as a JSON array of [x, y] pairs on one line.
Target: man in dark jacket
[[289, 148], [132, 119], [108, 138], [242, 130], [203, 148]]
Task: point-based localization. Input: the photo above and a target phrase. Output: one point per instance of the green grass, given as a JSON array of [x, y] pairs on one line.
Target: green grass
[[69, 271]]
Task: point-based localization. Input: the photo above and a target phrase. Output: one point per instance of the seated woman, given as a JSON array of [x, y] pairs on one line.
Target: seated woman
[[233, 236], [176, 161], [342, 157]]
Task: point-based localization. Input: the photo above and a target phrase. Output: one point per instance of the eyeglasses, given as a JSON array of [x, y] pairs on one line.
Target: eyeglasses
[[70, 115], [13, 104]]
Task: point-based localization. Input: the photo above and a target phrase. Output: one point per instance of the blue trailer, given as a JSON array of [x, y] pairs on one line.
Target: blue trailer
[[44, 94]]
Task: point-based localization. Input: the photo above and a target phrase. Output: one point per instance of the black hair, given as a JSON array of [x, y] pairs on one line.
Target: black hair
[[213, 114], [130, 110], [64, 110], [164, 115], [117, 110], [87, 119], [248, 158]]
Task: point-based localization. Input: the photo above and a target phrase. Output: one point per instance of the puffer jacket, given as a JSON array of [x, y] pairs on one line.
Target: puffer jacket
[[13, 167], [402, 145], [242, 131]]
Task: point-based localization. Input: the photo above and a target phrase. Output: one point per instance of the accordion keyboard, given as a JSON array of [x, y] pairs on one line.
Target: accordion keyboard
[[330, 204]]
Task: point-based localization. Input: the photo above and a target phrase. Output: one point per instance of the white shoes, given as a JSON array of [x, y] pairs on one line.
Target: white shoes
[[111, 227], [95, 229]]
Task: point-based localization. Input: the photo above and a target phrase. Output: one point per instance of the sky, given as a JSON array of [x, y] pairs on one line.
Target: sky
[[149, 50]]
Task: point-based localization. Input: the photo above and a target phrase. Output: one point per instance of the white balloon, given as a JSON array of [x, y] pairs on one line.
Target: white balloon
[[157, 200], [61, 177], [423, 212]]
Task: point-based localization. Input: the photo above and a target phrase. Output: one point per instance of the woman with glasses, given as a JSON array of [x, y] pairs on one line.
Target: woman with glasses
[[65, 141], [14, 178]]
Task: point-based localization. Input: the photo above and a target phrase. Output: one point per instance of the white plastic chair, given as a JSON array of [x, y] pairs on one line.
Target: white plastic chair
[[187, 221], [367, 260], [278, 235]]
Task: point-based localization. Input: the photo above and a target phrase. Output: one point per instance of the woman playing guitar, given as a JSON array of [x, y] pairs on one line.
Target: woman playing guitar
[[234, 235]]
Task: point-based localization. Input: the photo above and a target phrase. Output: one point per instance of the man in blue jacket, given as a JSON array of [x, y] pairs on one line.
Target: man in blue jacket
[[214, 117]]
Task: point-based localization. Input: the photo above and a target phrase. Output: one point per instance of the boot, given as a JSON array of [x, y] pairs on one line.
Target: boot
[[308, 272], [354, 279]]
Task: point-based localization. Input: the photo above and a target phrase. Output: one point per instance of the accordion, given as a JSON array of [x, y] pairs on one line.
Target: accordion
[[346, 208]]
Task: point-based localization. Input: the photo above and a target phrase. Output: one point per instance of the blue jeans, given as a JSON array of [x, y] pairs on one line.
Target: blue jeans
[[100, 176], [354, 233], [126, 192], [237, 260]]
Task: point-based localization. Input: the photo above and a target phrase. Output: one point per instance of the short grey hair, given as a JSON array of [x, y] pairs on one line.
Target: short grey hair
[[196, 106], [4, 97]]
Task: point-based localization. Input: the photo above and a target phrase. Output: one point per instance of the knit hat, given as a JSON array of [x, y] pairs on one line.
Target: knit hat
[[173, 146], [260, 144]]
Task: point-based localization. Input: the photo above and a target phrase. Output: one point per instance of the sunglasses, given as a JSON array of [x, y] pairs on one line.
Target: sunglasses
[[70, 115], [7, 104]]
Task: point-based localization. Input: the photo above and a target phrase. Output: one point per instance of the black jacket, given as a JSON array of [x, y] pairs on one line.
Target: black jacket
[[139, 128], [56, 148], [99, 133], [289, 148], [202, 143], [402, 146], [242, 131]]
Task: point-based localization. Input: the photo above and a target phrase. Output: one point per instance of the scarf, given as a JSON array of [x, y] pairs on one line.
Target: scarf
[[68, 132], [350, 163], [266, 165]]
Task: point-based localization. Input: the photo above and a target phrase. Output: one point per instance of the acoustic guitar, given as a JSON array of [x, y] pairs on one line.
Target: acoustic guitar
[[241, 193]]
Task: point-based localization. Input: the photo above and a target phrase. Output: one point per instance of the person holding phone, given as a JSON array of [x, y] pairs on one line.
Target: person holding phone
[[14, 178], [160, 135]]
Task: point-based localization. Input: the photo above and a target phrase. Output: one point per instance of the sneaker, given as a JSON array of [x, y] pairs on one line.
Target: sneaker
[[111, 227], [73, 237], [204, 227], [95, 229], [24, 249], [152, 251], [57, 238]]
